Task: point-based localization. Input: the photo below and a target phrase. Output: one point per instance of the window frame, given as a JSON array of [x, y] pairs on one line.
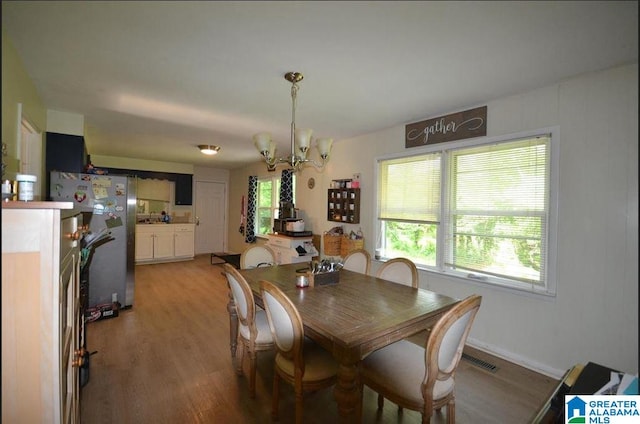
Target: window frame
[[550, 286], [275, 201]]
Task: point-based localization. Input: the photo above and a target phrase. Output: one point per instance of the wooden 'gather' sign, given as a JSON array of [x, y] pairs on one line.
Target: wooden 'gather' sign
[[456, 126]]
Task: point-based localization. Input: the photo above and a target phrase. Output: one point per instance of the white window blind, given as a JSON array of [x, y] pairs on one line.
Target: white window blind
[[409, 189], [498, 210]]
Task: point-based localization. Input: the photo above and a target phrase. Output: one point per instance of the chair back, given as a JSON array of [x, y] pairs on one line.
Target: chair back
[[358, 260], [447, 339], [243, 299], [256, 256], [285, 323], [399, 270]]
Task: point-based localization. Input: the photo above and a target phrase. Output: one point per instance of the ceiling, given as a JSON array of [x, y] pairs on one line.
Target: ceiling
[[155, 79]]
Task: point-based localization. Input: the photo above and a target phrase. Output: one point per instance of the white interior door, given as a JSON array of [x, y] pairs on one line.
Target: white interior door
[[30, 152], [210, 217]]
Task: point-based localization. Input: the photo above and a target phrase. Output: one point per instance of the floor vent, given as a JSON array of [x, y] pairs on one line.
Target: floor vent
[[480, 363]]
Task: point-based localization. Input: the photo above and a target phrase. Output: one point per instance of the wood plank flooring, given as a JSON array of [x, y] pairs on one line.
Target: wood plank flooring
[[167, 360]]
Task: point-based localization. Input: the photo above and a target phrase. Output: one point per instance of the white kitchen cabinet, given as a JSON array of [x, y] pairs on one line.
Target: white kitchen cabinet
[[164, 242], [144, 243], [42, 321], [285, 248], [184, 240]]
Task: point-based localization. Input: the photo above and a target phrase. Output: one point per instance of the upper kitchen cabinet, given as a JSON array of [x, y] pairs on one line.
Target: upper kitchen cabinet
[[65, 153], [183, 194], [184, 189], [154, 189]]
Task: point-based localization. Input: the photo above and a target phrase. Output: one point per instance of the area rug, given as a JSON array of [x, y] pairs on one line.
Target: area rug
[[225, 257], [216, 260]]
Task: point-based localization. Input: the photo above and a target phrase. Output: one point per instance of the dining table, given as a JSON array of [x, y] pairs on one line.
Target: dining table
[[350, 318]]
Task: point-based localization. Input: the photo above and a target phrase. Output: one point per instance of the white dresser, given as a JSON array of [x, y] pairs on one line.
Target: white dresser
[[285, 248], [42, 324]]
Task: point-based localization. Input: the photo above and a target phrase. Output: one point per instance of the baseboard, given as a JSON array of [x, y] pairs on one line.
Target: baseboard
[[517, 359]]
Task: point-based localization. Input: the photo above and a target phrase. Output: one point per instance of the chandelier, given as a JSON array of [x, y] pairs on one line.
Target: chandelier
[[300, 139]]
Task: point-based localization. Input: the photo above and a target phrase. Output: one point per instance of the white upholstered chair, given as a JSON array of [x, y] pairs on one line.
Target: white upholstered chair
[[299, 361], [399, 270], [253, 328], [423, 378], [358, 260], [256, 256]]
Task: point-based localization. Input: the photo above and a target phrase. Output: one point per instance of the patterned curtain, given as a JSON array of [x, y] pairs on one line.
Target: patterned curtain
[[252, 196], [286, 186]]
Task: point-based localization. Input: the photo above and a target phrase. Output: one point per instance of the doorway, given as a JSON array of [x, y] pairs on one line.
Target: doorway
[[30, 152], [210, 217]]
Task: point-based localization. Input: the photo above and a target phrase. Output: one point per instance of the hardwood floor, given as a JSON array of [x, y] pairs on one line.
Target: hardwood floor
[[167, 360]]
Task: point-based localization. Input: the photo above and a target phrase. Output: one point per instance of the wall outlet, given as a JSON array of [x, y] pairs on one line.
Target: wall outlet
[[356, 177], [114, 297]]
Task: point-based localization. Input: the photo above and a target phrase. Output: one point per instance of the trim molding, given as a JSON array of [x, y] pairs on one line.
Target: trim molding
[[517, 359]]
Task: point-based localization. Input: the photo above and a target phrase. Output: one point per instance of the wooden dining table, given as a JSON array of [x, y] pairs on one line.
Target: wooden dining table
[[350, 319]]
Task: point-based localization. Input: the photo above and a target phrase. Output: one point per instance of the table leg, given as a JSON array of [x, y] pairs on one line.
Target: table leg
[[347, 394], [233, 326]]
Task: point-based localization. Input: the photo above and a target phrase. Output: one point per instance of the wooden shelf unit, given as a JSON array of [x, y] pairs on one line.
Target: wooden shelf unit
[[343, 205]]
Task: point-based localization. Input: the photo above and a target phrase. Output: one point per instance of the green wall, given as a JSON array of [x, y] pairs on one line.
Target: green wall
[[17, 88]]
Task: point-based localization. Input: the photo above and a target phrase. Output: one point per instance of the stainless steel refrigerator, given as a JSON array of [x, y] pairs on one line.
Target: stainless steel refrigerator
[[109, 206]]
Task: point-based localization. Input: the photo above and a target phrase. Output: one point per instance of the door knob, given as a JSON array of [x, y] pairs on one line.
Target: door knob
[[78, 359]]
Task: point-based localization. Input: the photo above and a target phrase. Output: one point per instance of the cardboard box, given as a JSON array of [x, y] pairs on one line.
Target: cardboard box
[[103, 311]]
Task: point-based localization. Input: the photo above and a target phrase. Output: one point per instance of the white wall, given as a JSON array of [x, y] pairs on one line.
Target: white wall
[[594, 316], [201, 173], [65, 122]]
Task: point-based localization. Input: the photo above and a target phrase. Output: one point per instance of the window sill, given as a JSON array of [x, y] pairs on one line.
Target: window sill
[[506, 287]]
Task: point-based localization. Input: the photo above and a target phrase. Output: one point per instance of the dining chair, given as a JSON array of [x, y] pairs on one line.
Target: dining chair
[[253, 328], [357, 260], [256, 256], [399, 270], [299, 361], [423, 378]]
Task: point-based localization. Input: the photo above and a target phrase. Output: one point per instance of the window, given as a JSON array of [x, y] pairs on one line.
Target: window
[[267, 203], [479, 210]]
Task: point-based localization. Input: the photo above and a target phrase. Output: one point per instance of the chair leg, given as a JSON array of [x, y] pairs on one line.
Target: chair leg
[[426, 419], [275, 396], [252, 374], [380, 401], [427, 412], [451, 412], [239, 358], [299, 407]]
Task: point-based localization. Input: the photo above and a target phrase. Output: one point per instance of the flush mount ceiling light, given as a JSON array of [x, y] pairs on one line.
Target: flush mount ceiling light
[[208, 149], [300, 139]]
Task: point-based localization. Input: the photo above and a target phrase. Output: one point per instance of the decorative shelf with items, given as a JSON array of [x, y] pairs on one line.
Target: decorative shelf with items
[[343, 201]]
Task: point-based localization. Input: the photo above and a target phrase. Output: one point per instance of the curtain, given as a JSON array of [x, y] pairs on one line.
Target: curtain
[[252, 194], [286, 186]]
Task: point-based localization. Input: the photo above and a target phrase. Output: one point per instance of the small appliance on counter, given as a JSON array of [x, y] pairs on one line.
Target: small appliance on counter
[[288, 222], [280, 225], [287, 210]]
